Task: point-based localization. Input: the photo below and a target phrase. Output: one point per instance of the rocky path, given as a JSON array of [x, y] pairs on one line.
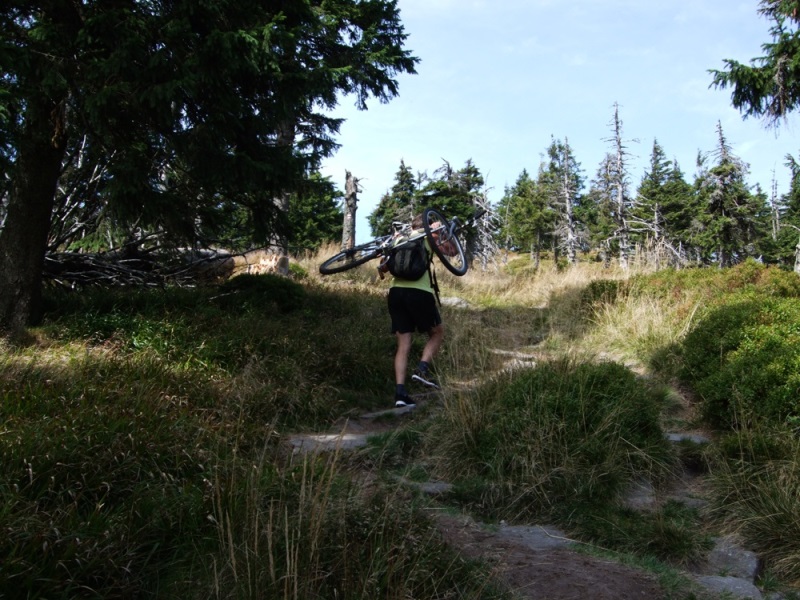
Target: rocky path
[[541, 561]]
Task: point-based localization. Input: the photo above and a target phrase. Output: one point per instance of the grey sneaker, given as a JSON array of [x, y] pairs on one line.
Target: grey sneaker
[[425, 378], [402, 400]]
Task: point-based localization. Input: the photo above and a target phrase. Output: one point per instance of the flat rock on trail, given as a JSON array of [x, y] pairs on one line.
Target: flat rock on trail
[[542, 565]]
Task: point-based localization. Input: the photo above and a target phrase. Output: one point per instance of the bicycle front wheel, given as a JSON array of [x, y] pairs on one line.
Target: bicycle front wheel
[[445, 243], [350, 258]]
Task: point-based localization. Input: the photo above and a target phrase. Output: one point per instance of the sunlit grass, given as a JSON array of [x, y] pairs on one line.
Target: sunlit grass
[[142, 432], [641, 326]]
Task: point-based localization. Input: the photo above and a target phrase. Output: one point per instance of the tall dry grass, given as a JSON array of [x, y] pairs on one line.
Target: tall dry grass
[[643, 325], [511, 307], [305, 527], [755, 483], [270, 528]]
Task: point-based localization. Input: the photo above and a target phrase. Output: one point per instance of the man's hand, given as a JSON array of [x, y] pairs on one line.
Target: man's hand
[[449, 247]]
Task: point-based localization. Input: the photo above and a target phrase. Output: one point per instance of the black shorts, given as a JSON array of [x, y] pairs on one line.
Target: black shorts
[[412, 309]]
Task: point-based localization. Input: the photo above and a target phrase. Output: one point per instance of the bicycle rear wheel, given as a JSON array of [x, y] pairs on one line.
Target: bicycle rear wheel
[[350, 258], [446, 244]]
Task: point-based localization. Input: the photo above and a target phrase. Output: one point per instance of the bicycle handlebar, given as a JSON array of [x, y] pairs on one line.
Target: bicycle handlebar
[[479, 212], [455, 222]]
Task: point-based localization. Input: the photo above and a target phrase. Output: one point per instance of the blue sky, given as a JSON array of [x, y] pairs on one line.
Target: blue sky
[[499, 78]]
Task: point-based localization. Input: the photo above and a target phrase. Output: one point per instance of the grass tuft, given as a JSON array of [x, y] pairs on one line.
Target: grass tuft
[[528, 442], [756, 494]]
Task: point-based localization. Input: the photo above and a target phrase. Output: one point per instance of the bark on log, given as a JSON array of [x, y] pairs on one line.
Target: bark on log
[[351, 190]]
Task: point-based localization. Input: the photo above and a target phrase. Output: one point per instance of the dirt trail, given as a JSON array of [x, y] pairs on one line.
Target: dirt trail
[[536, 561], [543, 565]]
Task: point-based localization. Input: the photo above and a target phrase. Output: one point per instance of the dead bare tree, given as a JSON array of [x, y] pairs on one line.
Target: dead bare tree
[[485, 232], [619, 182], [351, 190], [567, 194], [797, 258], [79, 207], [774, 205], [796, 249]]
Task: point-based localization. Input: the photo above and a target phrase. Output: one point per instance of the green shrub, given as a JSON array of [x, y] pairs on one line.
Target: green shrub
[[602, 292], [713, 337], [754, 446], [103, 464], [752, 276], [780, 283], [300, 364], [715, 285], [297, 271], [123, 424], [142, 301], [521, 265], [743, 359], [672, 533], [262, 293]]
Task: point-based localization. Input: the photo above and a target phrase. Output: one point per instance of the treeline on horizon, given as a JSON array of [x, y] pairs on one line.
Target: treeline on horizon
[[715, 217], [180, 153]]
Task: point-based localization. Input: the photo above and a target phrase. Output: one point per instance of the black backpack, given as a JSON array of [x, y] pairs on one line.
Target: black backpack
[[409, 259]]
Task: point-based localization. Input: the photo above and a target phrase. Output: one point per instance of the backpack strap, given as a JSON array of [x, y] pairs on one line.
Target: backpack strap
[[434, 284], [432, 278]]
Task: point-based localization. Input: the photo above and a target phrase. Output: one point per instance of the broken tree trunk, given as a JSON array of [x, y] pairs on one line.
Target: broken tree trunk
[[797, 258], [351, 190]]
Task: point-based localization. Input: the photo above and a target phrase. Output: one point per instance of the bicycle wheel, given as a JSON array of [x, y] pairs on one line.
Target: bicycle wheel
[[445, 243], [350, 258]]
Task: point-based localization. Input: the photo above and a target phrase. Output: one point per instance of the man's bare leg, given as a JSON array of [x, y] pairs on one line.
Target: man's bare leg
[[401, 357], [435, 339]]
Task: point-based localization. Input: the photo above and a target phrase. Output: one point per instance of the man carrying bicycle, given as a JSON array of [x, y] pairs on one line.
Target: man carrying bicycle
[[412, 307]]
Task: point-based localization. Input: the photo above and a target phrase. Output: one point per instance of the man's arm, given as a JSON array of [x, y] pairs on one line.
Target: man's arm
[[449, 247]]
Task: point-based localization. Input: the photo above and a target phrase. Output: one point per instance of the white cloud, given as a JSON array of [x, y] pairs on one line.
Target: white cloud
[[576, 60]]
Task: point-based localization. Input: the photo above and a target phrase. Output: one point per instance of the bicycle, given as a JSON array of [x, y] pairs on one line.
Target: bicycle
[[443, 238]]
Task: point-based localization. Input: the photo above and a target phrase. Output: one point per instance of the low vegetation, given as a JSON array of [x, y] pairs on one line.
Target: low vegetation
[[143, 432], [541, 442]]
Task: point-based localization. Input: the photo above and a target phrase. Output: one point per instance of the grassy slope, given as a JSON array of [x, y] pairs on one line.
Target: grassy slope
[[141, 433]]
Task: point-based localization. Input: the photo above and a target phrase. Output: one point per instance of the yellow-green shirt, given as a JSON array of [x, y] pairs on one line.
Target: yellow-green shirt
[[424, 282]]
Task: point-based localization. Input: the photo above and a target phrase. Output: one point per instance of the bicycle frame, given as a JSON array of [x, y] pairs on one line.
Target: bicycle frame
[[439, 231]]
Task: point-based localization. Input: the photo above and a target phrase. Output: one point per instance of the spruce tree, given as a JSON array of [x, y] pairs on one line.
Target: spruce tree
[[662, 212], [458, 193], [315, 215], [454, 192], [600, 217], [769, 86], [650, 196], [188, 102], [398, 204], [726, 223], [527, 219], [787, 234], [562, 183]]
